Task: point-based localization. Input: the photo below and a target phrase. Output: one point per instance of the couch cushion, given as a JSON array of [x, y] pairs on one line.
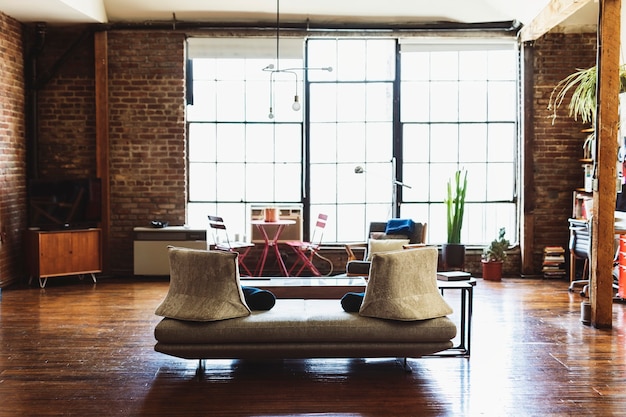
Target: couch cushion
[[304, 321], [204, 286], [402, 285]]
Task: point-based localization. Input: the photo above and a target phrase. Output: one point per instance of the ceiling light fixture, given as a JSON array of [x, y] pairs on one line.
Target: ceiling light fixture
[[276, 69]]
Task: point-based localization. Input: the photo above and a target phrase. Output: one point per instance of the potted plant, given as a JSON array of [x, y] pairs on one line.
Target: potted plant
[[493, 257], [453, 252]]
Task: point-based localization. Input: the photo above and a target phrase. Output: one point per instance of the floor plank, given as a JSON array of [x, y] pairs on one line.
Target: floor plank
[[81, 349]]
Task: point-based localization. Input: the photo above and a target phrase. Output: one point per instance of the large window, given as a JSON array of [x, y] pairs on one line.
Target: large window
[[459, 111], [391, 112], [238, 156]]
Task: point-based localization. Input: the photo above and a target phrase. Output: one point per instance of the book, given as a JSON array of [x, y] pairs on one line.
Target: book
[[453, 276], [554, 249]]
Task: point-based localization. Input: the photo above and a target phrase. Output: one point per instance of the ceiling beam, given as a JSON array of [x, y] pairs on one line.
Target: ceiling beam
[[555, 12]]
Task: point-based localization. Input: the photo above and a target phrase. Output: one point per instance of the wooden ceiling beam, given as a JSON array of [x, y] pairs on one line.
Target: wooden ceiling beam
[[552, 15]]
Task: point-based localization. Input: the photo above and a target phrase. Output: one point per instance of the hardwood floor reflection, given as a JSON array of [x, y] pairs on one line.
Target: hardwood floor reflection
[[83, 349]]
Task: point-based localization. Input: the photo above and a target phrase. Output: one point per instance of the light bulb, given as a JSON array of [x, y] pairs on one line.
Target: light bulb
[[271, 115], [296, 103]]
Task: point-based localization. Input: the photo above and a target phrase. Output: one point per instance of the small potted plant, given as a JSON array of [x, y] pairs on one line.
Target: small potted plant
[[493, 257]]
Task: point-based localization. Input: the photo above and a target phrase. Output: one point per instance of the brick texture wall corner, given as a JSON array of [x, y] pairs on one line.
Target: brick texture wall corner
[[147, 135], [12, 152]]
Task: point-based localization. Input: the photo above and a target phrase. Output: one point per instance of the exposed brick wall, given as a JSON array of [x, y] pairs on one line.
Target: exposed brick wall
[[147, 135], [147, 130], [66, 138], [12, 151], [557, 143]]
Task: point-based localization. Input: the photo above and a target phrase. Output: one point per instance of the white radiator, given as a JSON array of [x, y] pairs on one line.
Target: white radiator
[[150, 247]]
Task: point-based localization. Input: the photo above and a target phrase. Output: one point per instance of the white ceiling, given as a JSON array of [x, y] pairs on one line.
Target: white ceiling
[[316, 11]]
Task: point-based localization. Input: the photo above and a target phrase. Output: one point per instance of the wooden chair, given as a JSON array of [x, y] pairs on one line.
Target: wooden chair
[[223, 242], [360, 266], [306, 251]]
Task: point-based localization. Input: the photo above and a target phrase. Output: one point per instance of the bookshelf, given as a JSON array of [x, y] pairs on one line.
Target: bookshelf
[[553, 262]]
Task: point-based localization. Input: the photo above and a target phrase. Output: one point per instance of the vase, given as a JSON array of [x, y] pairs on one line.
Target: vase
[[492, 270], [453, 256]]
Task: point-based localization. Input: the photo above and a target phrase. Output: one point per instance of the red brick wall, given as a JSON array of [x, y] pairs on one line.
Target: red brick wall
[[12, 151], [147, 135], [147, 132], [66, 139], [558, 143]]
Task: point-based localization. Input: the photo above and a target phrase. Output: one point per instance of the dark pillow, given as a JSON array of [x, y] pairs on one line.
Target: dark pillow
[[258, 299], [351, 301]]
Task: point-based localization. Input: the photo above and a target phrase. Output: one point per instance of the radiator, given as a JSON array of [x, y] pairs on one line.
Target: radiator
[[150, 247]]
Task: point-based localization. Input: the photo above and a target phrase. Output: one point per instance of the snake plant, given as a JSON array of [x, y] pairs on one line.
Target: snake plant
[[455, 205]]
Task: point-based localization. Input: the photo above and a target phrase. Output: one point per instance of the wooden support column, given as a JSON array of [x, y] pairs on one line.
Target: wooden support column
[[101, 64], [605, 184], [529, 197]]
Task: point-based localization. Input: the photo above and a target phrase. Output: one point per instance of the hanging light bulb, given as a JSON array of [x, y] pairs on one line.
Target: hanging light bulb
[[275, 69], [296, 103]]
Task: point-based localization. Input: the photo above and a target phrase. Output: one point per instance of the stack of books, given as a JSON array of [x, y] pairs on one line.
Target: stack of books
[[453, 276], [553, 262]]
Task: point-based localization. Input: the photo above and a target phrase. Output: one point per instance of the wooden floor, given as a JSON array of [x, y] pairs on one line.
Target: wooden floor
[[83, 349]]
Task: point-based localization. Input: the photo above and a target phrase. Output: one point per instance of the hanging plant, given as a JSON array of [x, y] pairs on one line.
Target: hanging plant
[[583, 101]]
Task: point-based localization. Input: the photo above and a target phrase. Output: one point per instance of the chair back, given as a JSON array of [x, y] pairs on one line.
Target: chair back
[[218, 231], [318, 230], [378, 228], [418, 235], [580, 238]]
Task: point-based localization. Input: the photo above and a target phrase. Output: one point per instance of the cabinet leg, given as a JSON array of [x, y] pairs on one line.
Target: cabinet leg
[[93, 277], [43, 282]]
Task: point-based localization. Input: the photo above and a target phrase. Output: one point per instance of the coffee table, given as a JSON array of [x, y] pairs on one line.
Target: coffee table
[[311, 288]]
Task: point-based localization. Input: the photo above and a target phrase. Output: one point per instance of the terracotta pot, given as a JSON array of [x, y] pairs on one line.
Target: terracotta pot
[[492, 270]]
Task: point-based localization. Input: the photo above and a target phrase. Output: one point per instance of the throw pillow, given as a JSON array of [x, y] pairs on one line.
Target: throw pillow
[[402, 285], [258, 299], [400, 227], [384, 245], [204, 286], [351, 301]]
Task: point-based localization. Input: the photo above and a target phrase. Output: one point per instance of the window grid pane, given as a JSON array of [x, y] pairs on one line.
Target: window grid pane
[[467, 119], [457, 109]]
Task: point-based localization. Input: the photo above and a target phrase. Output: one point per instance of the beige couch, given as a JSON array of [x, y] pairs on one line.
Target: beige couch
[[205, 316], [303, 329]]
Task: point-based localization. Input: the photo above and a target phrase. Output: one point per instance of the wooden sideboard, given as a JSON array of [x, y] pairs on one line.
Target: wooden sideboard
[[62, 253]]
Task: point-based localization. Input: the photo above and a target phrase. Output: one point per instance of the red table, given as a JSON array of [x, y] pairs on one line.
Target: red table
[[271, 242]]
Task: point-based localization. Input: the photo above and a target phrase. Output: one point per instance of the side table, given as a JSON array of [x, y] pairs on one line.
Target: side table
[[466, 287]]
